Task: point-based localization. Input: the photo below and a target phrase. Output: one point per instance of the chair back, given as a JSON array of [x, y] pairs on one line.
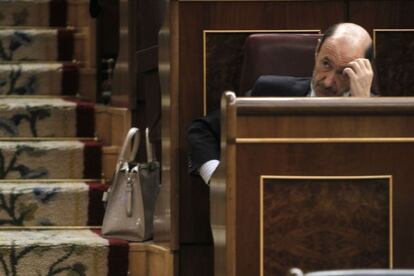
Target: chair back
[[283, 54]]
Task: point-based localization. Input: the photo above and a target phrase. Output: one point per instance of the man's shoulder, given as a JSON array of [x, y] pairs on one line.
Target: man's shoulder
[[281, 86]]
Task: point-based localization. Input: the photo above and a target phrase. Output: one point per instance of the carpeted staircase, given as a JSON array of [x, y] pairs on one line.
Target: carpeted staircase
[[50, 160]]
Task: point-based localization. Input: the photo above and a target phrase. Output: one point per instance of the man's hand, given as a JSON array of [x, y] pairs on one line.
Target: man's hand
[[360, 76]]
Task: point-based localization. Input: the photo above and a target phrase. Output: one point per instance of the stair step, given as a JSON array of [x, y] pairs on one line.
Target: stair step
[[44, 44], [33, 13], [50, 159], [61, 252], [46, 117], [35, 203], [39, 79], [50, 199], [43, 13]]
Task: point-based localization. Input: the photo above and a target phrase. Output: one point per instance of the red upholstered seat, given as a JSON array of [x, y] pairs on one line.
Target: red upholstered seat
[[277, 54]]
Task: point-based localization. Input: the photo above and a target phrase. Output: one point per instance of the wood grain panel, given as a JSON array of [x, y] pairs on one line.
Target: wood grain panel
[[224, 58], [326, 126], [196, 260], [395, 61], [324, 223], [194, 17], [150, 259], [321, 159], [382, 14]]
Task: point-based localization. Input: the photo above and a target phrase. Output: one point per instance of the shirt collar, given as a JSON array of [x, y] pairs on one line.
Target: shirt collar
[[313, 94]]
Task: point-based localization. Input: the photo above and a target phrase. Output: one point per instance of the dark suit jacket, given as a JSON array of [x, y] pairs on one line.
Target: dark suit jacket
[[203, 135]]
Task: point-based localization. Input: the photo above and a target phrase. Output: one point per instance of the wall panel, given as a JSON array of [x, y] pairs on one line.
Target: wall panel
[[383, 14], [189, 19], [194, 18]]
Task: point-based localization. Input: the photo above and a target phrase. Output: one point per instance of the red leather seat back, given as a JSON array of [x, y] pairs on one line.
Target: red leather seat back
[[277, 54]]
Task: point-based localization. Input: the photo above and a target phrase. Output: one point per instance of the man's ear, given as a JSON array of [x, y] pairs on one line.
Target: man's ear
[[317, 47]]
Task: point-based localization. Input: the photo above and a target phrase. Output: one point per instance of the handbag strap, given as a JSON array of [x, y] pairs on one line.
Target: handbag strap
[[127, 154], [148, 145], [131, 137]]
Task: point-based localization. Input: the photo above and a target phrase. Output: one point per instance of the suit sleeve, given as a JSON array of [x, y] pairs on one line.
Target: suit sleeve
[[203, 137]]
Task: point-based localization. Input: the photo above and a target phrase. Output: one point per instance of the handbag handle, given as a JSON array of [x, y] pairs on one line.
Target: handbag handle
[[148, 145], [131, 137]]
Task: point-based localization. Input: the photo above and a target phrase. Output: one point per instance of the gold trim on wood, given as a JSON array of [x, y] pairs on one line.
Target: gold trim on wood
[[374, 35], [261, 208], [205, 32], [324, 140]]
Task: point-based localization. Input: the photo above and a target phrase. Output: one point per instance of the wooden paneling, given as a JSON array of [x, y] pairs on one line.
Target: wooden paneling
[[107, 13], [194, 17], [383, 14], [223, 62], [196, 260], [394, 59], [109, 160], [321, 159], [149, 259], [350, 150], [313, 126], [123, 83], [324, 223], [188, 21], [388, 14], [112, 125], [147, 19], [87, 83]]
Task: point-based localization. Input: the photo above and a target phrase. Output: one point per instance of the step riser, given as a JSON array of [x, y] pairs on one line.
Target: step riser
[[50, 160], [31, 204]]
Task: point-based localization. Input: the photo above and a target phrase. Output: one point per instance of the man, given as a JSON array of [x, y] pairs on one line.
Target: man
[[342, 68]]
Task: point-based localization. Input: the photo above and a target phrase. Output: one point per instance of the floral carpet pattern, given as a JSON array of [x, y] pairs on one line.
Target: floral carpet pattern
[[50, 160], [51, 252]]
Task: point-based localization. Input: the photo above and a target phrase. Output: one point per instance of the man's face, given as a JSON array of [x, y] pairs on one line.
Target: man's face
[[328, 79]]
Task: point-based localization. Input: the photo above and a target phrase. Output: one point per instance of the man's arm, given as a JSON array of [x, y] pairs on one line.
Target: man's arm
[[203, 138], [360, 76]]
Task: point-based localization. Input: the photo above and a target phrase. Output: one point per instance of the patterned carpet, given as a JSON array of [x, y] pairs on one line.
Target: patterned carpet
[[50, 159]]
